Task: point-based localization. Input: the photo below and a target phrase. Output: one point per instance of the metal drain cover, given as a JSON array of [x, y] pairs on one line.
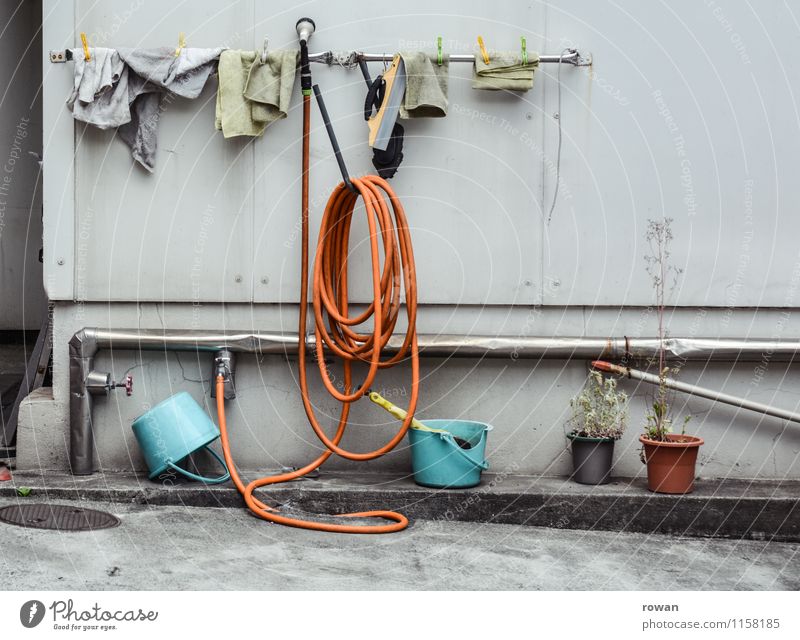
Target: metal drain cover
[[58, 517]]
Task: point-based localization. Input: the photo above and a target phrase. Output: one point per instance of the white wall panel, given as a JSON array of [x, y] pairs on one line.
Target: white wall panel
[[469, 185], [689, 111], [184, 232]]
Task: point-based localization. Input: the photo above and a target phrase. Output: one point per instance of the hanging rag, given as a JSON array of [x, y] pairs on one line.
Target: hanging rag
[[153, 74], [270, 84], [124, 88], [251, 95], [505, 72], [100, 89], [426, 86]]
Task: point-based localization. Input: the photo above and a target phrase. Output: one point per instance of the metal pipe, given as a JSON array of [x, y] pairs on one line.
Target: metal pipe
[[346, 58], [446, 345], [573, 57], [694, 390], [85, 344]]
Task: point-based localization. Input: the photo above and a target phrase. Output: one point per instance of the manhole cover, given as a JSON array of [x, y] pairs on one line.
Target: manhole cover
[[58, 517]]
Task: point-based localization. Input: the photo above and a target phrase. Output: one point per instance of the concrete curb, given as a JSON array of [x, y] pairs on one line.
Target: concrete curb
[[760, 510]]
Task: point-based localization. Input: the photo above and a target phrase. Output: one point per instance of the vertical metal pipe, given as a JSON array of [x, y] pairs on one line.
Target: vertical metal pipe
[[82, 349]]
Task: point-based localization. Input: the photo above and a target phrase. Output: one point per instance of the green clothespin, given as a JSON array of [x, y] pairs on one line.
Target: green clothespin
[[524, 50], [439, 59]]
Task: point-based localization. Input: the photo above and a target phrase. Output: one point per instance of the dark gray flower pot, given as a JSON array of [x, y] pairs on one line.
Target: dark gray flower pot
[[592, 459]]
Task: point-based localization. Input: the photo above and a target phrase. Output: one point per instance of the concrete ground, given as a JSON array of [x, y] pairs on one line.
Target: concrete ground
[[173, 547]]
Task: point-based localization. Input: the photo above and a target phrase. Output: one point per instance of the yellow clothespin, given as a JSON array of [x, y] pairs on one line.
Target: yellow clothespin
[[181, 44], [483, 50], [86, 55]]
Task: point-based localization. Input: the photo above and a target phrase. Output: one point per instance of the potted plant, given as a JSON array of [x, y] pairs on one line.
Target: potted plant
[[598, 419], [670, 457]]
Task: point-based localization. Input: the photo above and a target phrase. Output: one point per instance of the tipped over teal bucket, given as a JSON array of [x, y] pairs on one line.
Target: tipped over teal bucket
[[439, 462], [172, 430]]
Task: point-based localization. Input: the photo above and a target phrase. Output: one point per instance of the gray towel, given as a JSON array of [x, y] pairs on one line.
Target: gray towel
[[100, 89], [426, 86], [505, 72], [126, 87], [153, 73]]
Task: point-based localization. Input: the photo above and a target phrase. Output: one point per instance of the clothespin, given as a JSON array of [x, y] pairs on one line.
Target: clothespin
[[483, 50], [264, 51], [439, 59], [181, 44], [85, 42], [524, 50]]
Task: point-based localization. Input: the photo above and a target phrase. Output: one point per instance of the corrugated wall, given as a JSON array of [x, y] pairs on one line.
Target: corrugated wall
[[688, 112]]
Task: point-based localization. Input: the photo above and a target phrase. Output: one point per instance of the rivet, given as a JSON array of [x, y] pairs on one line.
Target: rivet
[[61, 261], [265, 280], [238, 278]]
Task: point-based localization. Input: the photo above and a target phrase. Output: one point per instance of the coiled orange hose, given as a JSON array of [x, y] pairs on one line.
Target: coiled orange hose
[[337, 334]]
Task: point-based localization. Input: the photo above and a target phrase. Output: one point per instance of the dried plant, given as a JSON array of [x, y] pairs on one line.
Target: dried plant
[[599, 411], [664, 277]]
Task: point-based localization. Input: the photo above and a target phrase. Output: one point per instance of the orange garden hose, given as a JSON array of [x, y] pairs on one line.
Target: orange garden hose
[[334, 328]]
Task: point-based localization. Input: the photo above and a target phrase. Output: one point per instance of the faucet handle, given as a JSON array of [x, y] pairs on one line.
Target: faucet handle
[[126, 384]]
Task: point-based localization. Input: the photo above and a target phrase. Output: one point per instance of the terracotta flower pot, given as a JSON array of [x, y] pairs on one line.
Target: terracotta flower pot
[[591, 459], [671, 463]]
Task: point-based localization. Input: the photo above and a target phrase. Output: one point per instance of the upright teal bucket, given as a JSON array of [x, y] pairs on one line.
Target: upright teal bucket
[[172, 430], [439, 462]]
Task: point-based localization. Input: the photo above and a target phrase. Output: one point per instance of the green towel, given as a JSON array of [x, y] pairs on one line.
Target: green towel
[[269, 86], [505, 72], [252, 95], [426, 86]]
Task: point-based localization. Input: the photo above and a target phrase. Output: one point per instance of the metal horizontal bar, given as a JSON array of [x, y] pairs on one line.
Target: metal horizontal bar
[[573, 57], [443, 345]]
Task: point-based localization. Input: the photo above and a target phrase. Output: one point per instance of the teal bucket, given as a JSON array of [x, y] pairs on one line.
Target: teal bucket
[[439, 462], [172, 430]]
